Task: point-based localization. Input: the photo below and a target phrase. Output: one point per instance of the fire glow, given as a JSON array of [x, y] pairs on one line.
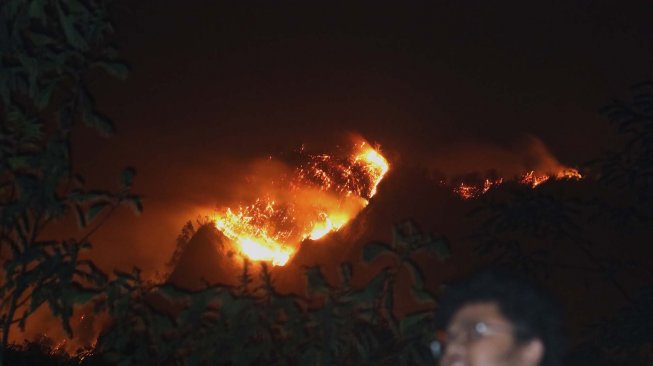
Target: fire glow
[[531, 178], [322, 195]]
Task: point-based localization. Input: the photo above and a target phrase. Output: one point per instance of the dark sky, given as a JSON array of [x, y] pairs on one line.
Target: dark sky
[[218, 84]]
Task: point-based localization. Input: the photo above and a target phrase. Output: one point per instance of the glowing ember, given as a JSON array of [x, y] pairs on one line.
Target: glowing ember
[[531, 178], [58, 348], [469, 191], [569, 173], [322, 195], [490, 183]]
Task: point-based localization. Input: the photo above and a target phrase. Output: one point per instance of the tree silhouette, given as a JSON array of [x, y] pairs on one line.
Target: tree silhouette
[[251, 323], [558, 228], [48, 48]]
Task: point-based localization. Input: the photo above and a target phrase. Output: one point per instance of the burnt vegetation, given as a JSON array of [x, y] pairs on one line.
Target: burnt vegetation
[[564, 233]]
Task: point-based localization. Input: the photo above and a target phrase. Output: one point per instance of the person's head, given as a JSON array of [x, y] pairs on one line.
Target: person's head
[[499, 318]]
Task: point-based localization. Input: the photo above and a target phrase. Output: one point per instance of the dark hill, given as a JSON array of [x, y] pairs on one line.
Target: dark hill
[[406, 193], [206, 260]]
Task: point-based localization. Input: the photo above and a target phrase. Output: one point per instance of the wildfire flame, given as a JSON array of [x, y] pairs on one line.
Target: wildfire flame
[[569, 173], [468, 191], [323, 194], [531, 178]]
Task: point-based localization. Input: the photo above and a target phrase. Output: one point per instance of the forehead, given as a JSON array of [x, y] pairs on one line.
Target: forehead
[[482, 311]]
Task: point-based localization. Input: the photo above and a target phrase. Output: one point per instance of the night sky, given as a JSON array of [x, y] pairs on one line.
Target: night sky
[[452, 86]]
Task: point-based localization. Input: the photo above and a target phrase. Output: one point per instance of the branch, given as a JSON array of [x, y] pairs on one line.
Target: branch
[[21, 234], [604, 269], [25, 300], [99, 224], [35, 228], [15, 248]]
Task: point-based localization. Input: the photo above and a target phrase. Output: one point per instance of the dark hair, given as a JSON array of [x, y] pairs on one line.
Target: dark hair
[[531, 310]]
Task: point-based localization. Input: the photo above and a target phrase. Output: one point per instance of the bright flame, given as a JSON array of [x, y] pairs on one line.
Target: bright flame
[[265, 252], [323, 194], [490, 183], [253, 241], [569, 173], [376, 165], [531, 178], [328, 225]]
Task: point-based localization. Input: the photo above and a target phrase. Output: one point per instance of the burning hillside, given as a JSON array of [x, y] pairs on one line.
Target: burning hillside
[[530, 178], [322, 194], [472, 169]]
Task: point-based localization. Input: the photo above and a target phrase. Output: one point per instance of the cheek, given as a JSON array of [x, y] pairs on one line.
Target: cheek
[[489, 352]]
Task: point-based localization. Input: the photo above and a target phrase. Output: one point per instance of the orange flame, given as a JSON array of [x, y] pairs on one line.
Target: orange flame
[[469, 191], [375, 164], [569, 173], [531, 178], [323, 194], [253, 240], [490, 183]]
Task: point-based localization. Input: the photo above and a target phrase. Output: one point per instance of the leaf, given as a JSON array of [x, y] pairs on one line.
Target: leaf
[[345, 273], [65, 118], [311, 356], [94, 210], [73, 36], [42, 97], [18, 162], [416, 273], [316, 281], [373, 290], [37, 9], [98, 122], [81, 218], [439, 247], [372, 250], [127, 177], [118, 69], [412, 321], [90, 196], [82, 296], [12, 8], [422, 295]]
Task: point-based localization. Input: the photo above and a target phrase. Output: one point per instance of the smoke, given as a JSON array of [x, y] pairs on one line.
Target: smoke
[[478, 158], [537, 157], [204, 187]]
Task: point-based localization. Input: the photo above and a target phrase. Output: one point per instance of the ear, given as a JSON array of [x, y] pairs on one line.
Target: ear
[[532, 352]]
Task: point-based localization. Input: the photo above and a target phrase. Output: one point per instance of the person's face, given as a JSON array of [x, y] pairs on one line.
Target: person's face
[[478, 335]]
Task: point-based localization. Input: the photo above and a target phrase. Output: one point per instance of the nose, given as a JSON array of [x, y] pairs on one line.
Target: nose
[[454, 353]]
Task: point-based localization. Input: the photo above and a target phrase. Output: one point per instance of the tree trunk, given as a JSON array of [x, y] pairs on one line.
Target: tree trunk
[[6, 327]]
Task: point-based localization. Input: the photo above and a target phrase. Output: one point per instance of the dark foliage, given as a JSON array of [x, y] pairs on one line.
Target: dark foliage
[[538, 230], [253, 324], [44, 352], [48, 49], [630, 168]]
